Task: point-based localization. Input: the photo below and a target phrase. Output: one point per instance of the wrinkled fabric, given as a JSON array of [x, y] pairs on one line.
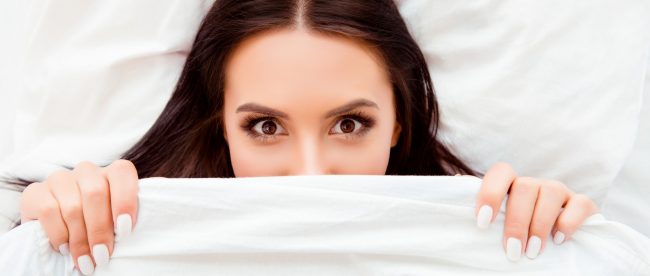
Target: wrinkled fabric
[[326, 225], [552, 87]]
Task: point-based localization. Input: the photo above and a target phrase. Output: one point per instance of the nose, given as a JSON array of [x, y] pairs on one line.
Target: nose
[[309, 159]]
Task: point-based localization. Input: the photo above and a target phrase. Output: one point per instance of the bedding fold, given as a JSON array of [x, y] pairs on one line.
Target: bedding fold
[[326, 225]]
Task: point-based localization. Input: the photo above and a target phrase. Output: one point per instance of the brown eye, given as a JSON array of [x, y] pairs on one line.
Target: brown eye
[[346, 126], [267, 127]]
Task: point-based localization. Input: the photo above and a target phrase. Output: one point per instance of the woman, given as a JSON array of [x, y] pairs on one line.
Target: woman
[[293, 87]]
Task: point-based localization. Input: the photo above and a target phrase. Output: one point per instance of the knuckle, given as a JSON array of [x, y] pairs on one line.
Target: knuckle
[[57, 240], [566, 223], [57, 236], [121, 165], [524, 184], [32, 189], [553, 186], [93, 193], [585, 202], [85, 165], [505, 167], [526, 180], [59, 176], [71, 211], [121, 170], [49, 209], [92, 185]]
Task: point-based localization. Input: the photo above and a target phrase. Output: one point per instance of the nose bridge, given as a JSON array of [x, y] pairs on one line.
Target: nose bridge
[[310, 159]]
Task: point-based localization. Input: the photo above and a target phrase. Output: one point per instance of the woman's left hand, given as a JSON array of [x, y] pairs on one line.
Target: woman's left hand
[[535, 208]]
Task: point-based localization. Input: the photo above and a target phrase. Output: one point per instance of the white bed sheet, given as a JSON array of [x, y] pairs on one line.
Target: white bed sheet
[[326, 225], [628, 200]]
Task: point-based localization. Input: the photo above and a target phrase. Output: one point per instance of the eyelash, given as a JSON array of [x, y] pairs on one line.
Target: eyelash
[[250, 121]]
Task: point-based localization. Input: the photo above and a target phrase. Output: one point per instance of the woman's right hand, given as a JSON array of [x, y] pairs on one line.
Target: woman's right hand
[[78, 210]]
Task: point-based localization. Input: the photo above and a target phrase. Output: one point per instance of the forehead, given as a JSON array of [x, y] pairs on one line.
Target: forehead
[[304, 66]]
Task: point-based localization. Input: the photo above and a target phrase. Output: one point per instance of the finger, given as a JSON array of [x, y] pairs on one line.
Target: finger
[[41, 205], [519, 212], [552, 196], [29, 201], [577, 210], [63, 186], [96, 210], [494, 188], [123, 184]]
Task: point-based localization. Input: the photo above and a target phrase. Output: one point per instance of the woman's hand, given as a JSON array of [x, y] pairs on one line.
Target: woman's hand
[[533, 211], [79, 208]]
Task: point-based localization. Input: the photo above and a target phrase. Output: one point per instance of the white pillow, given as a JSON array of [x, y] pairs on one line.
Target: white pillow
[[552, 87], [97, 75], [13, 14]]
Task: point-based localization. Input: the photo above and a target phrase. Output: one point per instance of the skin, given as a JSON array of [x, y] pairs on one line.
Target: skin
[[307, 76]]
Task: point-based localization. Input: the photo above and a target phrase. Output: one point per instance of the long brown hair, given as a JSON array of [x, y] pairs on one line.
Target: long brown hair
[[187, 139]]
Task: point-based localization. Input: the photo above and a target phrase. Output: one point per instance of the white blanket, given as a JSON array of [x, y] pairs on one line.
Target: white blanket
[[326, 225]]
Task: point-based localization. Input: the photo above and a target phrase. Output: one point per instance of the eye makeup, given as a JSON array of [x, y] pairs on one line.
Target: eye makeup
[[367, 122], [251, 120]]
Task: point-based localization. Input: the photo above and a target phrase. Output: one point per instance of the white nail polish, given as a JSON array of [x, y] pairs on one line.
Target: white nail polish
[[100, 254], [123, 226], [558, 238], [85, 265], [484, 216], [533, 247], [513, 249], [64, 249]]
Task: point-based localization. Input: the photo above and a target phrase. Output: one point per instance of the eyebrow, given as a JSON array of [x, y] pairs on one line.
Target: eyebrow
[[253, 107]]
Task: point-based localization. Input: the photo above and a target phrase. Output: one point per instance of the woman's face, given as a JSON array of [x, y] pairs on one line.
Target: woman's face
[[298, 102]]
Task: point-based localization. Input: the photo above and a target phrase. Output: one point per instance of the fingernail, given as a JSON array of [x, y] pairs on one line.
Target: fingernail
[[558, 238], [513, 249], [484, 216], [85, 265], [533, 247], [123, 226], [64, 249], [100, 254]]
